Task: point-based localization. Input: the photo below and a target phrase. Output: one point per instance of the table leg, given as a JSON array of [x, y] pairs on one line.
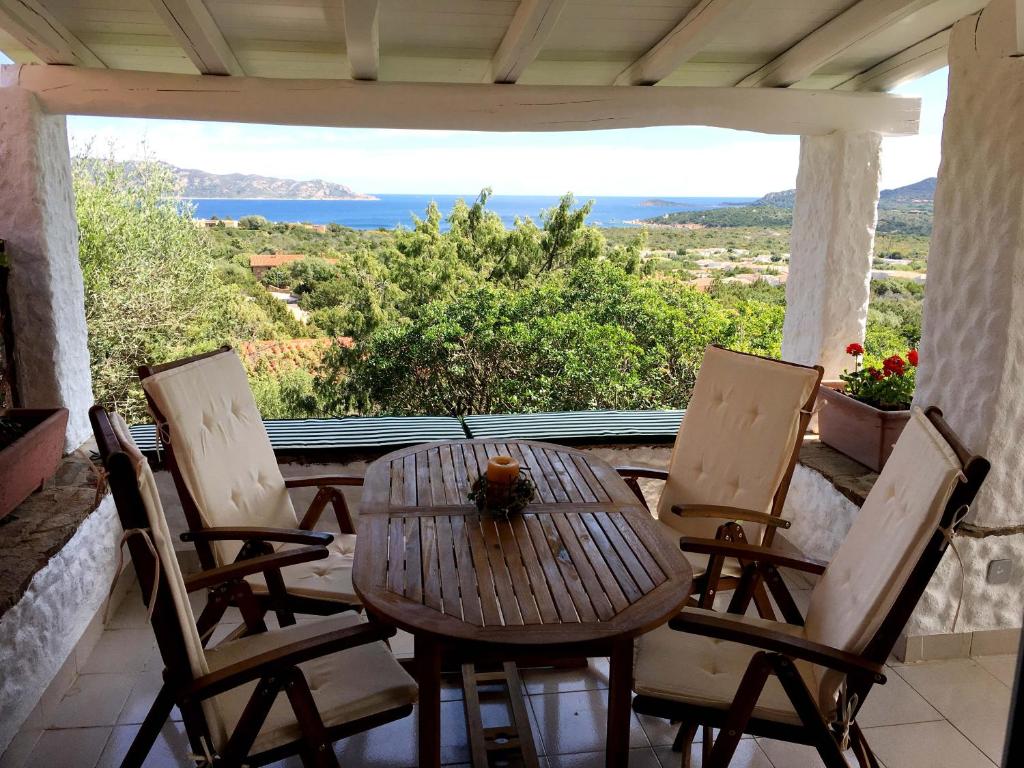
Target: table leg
[[428, 677], [620, 690]]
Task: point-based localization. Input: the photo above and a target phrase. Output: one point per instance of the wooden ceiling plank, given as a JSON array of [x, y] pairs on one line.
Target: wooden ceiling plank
[[190, 23], [685, 41], [32, 25], [916, 61], [526, 34], [856, 23], [457, 106], [362, 38]]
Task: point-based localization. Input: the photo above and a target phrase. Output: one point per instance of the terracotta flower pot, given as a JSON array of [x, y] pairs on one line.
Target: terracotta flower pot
[[27, 462], [861, 431]]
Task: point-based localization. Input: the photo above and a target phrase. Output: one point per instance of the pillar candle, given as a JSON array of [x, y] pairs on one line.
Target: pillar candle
[[502, 471]]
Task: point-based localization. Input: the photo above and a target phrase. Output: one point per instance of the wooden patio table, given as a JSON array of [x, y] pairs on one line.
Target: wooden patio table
[[580, 573]]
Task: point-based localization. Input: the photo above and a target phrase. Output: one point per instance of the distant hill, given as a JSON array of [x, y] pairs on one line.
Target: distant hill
[[195, 183], [916, 194], [905, 210]]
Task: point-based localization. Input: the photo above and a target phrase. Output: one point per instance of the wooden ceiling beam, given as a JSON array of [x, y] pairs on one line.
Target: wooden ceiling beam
[[686, 39], [456, 106], [32, 25], [860, 21], [362, 38], [192, 26], [526, 35], [916, 61]]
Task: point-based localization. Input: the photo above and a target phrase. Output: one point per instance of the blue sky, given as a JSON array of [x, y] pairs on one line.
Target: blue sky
[[641, 162]]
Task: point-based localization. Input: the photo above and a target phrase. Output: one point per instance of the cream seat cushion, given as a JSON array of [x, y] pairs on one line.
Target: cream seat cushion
[[736, 439], [691, 668], [229, 467], [327, 579], [346, 686]]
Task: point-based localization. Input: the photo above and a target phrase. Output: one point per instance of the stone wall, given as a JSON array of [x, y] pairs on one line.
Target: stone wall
[[37, 220], [972, 350]]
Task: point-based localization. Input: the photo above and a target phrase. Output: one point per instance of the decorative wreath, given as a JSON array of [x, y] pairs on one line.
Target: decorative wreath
[[520, 494]]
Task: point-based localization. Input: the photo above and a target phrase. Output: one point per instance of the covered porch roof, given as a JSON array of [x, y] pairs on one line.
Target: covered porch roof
[[791, 66]]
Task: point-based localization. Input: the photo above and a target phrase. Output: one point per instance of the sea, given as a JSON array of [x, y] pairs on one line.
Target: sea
[[388, 211]]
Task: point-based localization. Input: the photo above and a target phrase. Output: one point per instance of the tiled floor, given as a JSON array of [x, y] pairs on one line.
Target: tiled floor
[[944, 714]]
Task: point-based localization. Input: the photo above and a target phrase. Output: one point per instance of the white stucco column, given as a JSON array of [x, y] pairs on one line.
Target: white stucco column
[[833, 234], [37, 219], [972, 350]]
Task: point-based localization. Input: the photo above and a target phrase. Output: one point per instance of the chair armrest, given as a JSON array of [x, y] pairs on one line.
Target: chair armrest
[[320, 481], [285, 657], [280, 535], [650, 472], [259, 564], [722, 628], [750, 552], [729, 513]]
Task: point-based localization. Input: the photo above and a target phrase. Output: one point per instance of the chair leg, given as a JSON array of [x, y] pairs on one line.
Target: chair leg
[[736, 720], [762, 602], [807, 709], [150, 729], [249, 724], [859, 743], [707, 737], [319, 747], [684, 737]]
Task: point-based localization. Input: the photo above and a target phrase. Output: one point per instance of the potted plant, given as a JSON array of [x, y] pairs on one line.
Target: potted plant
[[31, 444], [864, 413]]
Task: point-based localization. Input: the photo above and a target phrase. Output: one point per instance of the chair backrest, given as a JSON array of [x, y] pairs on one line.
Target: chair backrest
[[863, 600], [138, 505], [740, 438], [218, 450]]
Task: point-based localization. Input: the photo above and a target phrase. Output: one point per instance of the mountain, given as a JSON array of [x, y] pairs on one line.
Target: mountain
[[195, 183], [913, 195], [905, 210]]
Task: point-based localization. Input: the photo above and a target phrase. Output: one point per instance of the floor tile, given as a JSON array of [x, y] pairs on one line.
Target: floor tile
[[122, 651], [21, 746], [131, 613], [592, 677], [576, 722], [141, 698], [895, 703], [925, 745], [69, 748], [638, 758], [748, 755], [170, 750], [1003, 667], [394, 745], [93, 700], [967, 695], [784, 754]]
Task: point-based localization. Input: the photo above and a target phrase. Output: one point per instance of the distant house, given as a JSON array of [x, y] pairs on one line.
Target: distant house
[[211, 223], [259, 263]]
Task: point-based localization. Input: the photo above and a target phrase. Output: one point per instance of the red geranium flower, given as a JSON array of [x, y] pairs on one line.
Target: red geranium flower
[[854, 349], [912, 357], [894, 365], [875, 374]]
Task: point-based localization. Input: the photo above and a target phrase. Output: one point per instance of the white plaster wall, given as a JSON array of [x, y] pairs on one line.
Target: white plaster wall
[[972, 350], [821, 516], [37, 219], [39, 633], [833, 234]]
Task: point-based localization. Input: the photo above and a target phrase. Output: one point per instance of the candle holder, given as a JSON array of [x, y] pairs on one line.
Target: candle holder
[[518, 494]]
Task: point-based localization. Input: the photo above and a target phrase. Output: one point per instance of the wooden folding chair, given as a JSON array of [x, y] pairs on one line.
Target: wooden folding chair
[[260, 698], [732, 462], [234, 497], [805, 680]]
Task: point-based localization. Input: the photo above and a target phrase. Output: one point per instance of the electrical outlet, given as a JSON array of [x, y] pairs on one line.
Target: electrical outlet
[[999, 571]]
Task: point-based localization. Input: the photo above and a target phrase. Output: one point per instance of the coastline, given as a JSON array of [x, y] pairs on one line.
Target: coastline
[[288, 199]]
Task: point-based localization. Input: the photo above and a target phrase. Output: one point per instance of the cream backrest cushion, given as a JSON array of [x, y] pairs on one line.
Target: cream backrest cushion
[[874, 562], [737, 437], [170, 572], [221, 446]]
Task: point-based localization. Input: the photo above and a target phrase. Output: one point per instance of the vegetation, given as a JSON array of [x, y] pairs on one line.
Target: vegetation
[[455, 316]]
